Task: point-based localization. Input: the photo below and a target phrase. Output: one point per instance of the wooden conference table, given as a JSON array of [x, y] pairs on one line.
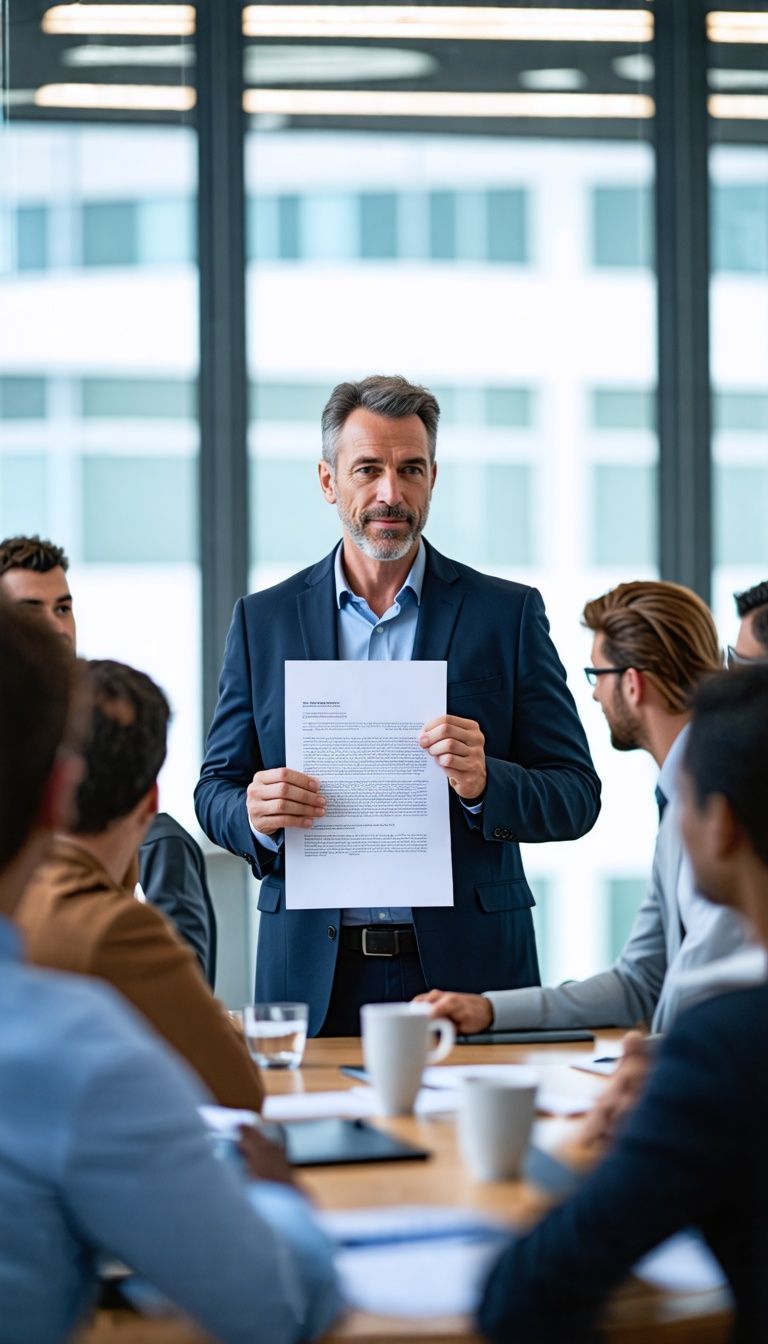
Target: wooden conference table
[[636, 1313]]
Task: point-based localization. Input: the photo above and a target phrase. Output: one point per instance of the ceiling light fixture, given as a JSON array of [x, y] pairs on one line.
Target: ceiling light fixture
[[469, 22], [738, 106], [120, 20], [429, 103], [737, 26], [117, 97]]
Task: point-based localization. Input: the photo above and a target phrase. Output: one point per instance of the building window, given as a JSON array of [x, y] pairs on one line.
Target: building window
[[23, 494], [741, 412], [378, 226], [139, 510], [31, 238], [442, 225], [110, 233], [138, 399], [740, 227], [625, 896], [283, 489], [741, 509], [622, 408], [507, 226], [623, 515], [621, 226], [23, 397]]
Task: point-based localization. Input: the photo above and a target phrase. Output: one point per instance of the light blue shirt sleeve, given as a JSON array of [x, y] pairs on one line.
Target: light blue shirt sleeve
[[141, 1181]]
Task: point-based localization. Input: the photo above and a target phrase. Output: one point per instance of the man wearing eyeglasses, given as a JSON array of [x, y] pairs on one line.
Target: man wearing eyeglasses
[[653, 643], [752, 642]]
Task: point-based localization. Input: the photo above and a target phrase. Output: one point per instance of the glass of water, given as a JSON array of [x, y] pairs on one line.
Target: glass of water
[[276, 1033]]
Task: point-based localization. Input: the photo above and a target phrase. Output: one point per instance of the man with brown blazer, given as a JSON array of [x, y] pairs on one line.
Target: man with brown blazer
[[80, 914]]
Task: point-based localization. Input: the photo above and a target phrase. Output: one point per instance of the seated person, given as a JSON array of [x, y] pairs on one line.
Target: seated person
[[693, 1153], [33, 573], [653, 643], [173, 878], [752, 640], [101, 1146], [80, 914]]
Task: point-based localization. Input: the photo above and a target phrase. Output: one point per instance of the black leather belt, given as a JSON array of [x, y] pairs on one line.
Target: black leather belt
[[378, 941]]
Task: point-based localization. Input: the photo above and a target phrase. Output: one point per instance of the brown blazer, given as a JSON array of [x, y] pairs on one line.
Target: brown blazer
[[74, 918]]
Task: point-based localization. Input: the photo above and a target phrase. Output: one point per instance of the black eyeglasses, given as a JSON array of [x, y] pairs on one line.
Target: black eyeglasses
[[592, 673], [736, 659]]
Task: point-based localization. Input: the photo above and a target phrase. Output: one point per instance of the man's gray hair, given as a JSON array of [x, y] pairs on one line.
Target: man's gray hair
[[393, 397]]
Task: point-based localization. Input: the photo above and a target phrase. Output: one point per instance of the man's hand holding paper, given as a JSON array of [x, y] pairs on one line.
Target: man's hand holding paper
[[458, 746]]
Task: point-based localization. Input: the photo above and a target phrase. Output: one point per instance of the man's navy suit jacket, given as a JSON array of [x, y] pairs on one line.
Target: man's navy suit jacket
[[504, 672], [694, 1154]]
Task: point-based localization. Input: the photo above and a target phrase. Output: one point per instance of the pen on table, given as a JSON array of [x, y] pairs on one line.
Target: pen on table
[[649, 1046]]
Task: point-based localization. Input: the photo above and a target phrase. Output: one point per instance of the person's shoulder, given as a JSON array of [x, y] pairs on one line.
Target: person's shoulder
[[77, 1020], [475, 579], [732, 1024], [288, 589]]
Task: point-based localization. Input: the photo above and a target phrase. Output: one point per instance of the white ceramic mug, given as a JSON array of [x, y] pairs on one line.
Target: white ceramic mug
[[494, 1123], [396, 1049]]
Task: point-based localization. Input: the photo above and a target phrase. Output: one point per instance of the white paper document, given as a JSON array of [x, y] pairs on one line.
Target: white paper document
[[414, 1261], [683, 1264], [385, 837], [548, 1100]]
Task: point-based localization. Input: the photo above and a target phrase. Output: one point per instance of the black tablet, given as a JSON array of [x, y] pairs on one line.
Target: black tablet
[[534, 1037], [321, 1143]]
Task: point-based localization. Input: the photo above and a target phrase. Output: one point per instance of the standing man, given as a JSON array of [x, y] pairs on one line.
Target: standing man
[[511, 744], [653, 643]]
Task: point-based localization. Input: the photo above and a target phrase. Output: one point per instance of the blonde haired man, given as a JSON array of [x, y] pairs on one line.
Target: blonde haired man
[[653, 643]]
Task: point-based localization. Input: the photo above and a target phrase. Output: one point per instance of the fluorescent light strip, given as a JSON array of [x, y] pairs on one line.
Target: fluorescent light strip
[[469, 22], [117, 97], [120, 20], [738, 106], [737, 26], [428, 103]]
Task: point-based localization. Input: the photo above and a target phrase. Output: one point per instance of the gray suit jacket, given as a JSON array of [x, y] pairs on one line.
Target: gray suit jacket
[[643, 983]]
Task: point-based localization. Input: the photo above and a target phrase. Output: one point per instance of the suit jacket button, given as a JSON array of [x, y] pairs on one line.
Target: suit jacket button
[[331, 931], [506, 833], [497, 833], [248, 857]]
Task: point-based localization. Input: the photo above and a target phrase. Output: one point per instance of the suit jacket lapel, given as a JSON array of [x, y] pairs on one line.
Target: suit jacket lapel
[[441, 598], [318, 616]]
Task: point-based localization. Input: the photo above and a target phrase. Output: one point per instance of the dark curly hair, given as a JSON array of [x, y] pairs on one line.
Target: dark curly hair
[[31, 553], [126, 746]]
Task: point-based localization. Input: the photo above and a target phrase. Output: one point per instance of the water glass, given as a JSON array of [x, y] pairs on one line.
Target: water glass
[[276, 1033]]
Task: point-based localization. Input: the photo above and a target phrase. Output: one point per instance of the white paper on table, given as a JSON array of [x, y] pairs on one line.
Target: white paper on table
[[548, 1100], [413, 1261], [226, 1119], [385, 838], [314, 1106], [605, 1065], [683, 1264]]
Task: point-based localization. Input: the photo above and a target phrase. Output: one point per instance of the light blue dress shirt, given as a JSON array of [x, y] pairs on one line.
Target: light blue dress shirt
[[102, 1151], [365, 637]]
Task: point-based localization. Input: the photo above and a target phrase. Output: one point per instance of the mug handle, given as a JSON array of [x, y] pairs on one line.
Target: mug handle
[[447, 1034]]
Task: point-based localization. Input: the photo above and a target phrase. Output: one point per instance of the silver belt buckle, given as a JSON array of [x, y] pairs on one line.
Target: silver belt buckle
[[367, 953]]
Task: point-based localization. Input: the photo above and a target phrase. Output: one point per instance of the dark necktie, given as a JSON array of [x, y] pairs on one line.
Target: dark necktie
[[661, 801]]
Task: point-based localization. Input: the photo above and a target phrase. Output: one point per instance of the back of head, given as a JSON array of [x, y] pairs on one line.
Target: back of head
[[663, 630], [36, 680], [31, 553], [727, 748], [389, 395], [126, 745], [754, 602]]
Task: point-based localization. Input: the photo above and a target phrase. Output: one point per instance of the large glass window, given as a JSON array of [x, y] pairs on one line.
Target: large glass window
[[506, 262], [739, 306], [98, 356]]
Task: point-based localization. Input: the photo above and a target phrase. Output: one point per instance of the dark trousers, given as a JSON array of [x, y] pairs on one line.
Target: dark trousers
[[360, 979]]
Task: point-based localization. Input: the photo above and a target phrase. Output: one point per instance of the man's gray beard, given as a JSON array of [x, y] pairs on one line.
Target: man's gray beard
[[385, 545]]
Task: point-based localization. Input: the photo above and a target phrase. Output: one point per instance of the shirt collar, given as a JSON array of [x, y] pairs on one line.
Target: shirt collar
[[10, 941], [669, 774], [414, 581]]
